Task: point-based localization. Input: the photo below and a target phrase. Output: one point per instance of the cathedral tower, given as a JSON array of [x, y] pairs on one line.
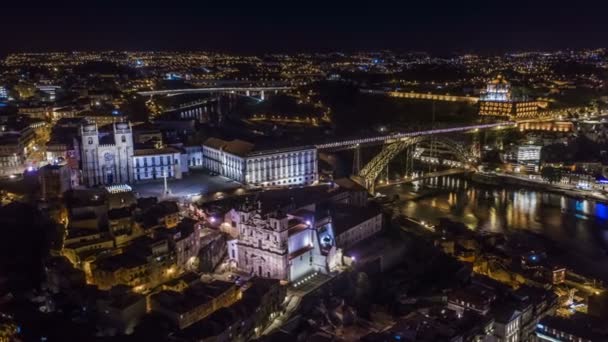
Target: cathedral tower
[[123, 139], [89, 145]]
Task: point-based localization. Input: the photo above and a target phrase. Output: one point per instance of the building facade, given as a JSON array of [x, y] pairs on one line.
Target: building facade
[[156, 163], [498, 101], [3, 93], [107, 163], [276, 245], [192, 156], [112, 159], [237, 160], [17, 143], [352, 225]]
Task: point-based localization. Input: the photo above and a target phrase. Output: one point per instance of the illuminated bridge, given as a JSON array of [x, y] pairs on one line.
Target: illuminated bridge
[[392, 138], [246, 90], [394, 144]]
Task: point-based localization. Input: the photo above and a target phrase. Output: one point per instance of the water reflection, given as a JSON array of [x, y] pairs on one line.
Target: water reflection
[[579, 225]]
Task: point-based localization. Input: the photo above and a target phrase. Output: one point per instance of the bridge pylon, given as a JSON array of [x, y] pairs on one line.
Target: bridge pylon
[[356, 159]]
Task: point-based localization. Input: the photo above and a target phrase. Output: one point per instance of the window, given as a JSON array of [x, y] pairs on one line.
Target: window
[[123, 138], [90, 141]]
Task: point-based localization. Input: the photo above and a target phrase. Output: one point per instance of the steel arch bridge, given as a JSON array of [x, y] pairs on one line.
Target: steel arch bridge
[[370, 172]]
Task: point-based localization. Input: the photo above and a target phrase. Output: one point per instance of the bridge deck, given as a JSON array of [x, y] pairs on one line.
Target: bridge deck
[[350, 143], [209, 90]]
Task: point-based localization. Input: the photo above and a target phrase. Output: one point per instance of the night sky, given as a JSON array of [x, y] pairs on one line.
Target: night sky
[[262, 26]]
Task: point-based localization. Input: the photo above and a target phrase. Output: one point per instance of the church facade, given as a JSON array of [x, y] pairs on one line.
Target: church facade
[[110, 157], [107, 159]]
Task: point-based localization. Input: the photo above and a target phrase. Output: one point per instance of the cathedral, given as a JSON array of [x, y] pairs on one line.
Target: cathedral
[[107, 159]]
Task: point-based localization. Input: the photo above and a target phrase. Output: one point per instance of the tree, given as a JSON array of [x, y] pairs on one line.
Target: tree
[[551, 174]]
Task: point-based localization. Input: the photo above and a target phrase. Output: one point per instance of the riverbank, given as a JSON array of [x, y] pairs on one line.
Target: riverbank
[[578, 227], [502, 180]]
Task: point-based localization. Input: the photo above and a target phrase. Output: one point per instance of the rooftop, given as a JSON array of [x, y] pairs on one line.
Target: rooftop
[[346, 217], [243, 148], [237, 147], [193, 297]]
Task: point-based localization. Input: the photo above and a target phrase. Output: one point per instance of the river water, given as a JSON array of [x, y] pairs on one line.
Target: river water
[[578, 226]]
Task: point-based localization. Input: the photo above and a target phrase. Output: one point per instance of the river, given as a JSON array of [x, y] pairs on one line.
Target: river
[[578, 226]]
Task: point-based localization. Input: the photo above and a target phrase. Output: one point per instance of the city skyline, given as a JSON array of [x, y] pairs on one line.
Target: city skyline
[[253, 172]]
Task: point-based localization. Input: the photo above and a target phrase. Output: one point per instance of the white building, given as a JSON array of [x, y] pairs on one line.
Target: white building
[[497, 90], [109, 161], [276, 245], [191, 157], [238, 160], [3, 93], [507, 324], [528, 154], [157, 163], [227, 158], [111, 158]]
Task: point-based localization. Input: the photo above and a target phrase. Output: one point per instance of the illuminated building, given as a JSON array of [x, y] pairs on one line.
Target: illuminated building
[[498, 101], [580, 327], [238, 160], [145, 264], [3, 94], [107, 159], [17, 142], [50, 90], [11, 155], [157, 163], [273, 244], [528, 154], [192, 156], [111, 158], [549, 126], [64, 112]]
